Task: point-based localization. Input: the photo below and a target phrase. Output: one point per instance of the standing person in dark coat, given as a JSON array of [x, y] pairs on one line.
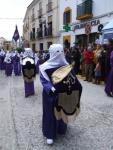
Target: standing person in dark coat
[[76, 56], [109, 82], [67, 55], [103, 62]]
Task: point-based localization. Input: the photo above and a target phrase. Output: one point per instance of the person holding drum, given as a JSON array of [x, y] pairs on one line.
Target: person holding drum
[[61, 93]]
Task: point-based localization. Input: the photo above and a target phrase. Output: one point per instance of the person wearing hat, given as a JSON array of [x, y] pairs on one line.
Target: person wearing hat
[[61, 93]]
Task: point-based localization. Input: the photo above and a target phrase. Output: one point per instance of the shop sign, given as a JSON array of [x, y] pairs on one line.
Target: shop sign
[[82, 25]]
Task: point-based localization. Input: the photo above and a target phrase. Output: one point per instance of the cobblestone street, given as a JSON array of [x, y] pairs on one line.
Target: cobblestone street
[[20, 119]]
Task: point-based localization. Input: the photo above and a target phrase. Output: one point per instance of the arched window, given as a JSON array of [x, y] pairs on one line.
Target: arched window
[[67, 16]]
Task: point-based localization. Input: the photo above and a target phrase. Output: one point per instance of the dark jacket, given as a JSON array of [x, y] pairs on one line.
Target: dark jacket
[[76, 56]]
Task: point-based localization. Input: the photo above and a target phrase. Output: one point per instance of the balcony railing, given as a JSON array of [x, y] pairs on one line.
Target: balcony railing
[[84, 10], [49, 31], [39, 13], [49, 7], [44, 32], [39, 33]]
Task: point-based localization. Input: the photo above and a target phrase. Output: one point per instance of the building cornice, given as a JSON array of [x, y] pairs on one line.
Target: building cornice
[[32, 4]]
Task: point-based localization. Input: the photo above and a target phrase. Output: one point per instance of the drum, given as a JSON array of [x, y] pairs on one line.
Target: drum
[[69, 92], [28, 69]]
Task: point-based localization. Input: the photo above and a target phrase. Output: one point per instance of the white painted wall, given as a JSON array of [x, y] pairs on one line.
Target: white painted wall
[[102, 6], [63, 5]]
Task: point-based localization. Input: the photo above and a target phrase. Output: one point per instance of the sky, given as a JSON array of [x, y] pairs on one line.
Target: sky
[[12, 13]]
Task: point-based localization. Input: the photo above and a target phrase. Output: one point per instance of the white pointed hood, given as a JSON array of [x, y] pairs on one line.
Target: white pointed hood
[[57, 59]]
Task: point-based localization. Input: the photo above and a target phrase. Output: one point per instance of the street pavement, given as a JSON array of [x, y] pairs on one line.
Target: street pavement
[[21, 119]]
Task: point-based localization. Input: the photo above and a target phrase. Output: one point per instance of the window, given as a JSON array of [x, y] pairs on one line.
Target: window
[[33, 33], [40, 31], [49, 6], [40, 10], [84, 10], [50, 25], [41, 46], [33, 47], [67, 17]]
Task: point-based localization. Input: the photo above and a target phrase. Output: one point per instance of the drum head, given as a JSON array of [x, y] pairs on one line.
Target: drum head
[[61, 73]]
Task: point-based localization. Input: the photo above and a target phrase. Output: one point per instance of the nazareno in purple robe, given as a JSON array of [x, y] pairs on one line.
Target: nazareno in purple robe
[[109, 83], [28, 83], [50, 126], [29, 88], [8, 69], [2, 63], [16, 65], [37, 67]]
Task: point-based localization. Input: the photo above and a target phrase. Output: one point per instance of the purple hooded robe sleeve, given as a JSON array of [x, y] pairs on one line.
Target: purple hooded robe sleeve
[[109, 83]]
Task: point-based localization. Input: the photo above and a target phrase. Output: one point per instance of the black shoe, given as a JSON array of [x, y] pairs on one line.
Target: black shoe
[[26, 95], [110, 95]]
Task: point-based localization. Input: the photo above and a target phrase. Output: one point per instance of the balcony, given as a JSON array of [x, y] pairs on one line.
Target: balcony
[[39, 13], [44, 32], [84, 10], [48, 30], [49, 7]]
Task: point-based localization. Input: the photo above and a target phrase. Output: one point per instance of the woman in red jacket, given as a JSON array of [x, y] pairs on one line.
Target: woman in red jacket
[[88, 60]]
